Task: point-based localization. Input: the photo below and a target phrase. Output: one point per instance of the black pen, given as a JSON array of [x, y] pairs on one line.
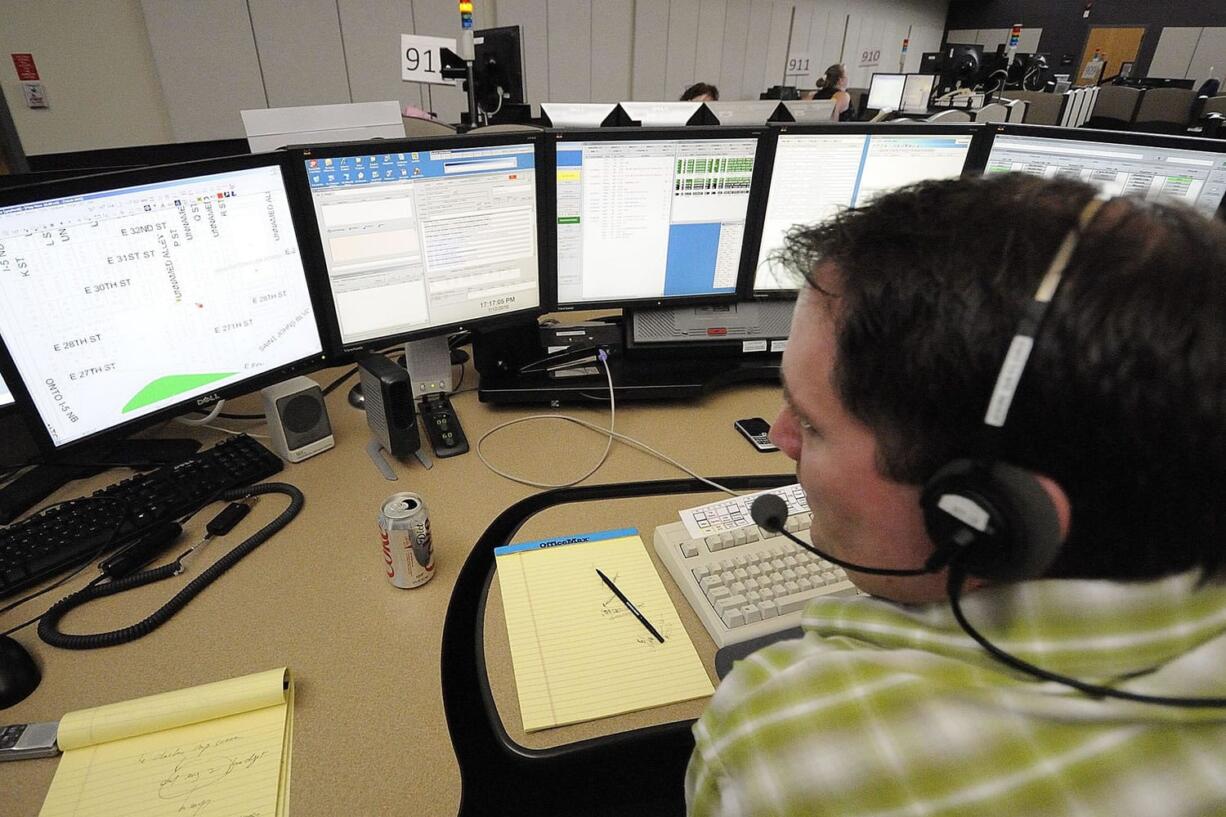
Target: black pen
[[630, 605]]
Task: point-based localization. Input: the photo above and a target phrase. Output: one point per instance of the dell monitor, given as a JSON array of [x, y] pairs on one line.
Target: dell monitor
[[651, 218], [424, 238], [885, 92], [1167, 168], [817, 171], [137, 295]]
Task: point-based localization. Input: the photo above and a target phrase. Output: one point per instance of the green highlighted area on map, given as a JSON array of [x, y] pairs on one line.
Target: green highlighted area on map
[[169, 386]]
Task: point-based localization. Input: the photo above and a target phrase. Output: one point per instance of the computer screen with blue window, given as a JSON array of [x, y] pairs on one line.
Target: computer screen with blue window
[[816, 172], [651, 217], [421, 237]]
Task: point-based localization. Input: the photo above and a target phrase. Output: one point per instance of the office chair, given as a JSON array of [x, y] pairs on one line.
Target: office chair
[[992, 112], [1115, 108], [1042, 107], [1165, 110], [950, 116], [641, 772]]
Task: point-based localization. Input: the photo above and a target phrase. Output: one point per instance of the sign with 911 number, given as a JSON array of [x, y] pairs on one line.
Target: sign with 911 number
[[421, 58]]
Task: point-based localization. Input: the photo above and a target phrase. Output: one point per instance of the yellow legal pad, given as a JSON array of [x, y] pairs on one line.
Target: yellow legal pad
[[577, 651], [216, 750]]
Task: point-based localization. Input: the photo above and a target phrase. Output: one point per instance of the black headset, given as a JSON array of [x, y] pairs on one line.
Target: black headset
[[987, 517]]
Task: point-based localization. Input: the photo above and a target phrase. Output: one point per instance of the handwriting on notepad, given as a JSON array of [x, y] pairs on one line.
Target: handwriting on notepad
[[186, 772]]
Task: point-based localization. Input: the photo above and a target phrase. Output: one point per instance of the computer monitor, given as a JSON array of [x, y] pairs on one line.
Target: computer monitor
[[749, 112], [885, 92], [661, 114], [578, 114], [817, 171], [810, 111], [498, 67], [424, 237], [6, 395], [916, 93], [1169, 168], [652, 218], [136, 295]]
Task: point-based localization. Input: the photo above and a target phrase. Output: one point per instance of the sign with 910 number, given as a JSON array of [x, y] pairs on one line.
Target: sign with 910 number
[[421, 60]]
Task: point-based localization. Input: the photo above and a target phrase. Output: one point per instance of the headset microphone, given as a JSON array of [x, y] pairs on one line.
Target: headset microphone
[[769, 511]]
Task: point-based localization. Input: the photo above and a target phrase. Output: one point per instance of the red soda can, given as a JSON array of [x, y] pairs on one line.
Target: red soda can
[[404, 535]]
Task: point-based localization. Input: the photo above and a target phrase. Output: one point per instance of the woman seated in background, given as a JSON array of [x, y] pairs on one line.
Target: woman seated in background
[[700, 92], [834, 86]]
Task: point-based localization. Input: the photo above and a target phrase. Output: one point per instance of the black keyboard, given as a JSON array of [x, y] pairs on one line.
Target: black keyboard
[[63, 536]]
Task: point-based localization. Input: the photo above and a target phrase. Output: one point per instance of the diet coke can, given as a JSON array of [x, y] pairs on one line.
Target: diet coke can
[[404, 535]]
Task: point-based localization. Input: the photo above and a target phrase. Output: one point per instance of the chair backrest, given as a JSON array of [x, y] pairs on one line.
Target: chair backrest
[[415, 126], [950, 116], [1216, 104], [1017, 110], [1166, 105], [640, 772], [992, 112], [1116, 105], [1042, 108]]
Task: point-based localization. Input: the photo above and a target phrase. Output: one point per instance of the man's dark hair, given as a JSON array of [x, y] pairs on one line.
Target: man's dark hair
[[1123, 401], [698, 89]]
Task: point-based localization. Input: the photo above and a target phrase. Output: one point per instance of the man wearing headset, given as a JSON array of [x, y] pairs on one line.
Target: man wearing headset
[[1103, 324]]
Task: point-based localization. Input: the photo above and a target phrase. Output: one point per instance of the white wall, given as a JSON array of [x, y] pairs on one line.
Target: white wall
[[94, 59], [124, 72], [1190, 53]]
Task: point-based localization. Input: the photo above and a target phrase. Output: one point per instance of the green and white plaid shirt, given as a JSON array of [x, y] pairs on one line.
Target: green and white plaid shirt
[[889, 711]]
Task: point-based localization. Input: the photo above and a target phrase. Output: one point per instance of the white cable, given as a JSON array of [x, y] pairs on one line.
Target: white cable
[[609, 432], [206, 419], [235, 433]]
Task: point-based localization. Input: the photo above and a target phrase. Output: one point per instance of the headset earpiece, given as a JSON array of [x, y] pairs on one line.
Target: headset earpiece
[[994, 519]]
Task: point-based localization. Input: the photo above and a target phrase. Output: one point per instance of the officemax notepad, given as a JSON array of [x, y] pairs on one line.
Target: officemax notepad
[[216, 750], [578, 651]]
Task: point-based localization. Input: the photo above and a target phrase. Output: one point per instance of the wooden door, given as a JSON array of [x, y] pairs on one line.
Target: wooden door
[[1116, 44]]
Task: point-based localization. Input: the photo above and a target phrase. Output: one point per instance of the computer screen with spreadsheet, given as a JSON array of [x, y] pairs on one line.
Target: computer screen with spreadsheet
[[818, 171], [130, 296], [652, 217], [1170, 168], [422, 237]]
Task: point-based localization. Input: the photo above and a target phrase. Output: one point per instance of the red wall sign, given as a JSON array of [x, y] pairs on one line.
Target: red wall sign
[[26, 70]]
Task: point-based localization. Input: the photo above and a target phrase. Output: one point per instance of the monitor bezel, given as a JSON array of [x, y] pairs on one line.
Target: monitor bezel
[[311, 242], [136, 177], [688, 132], [982, 149], [758, 205]]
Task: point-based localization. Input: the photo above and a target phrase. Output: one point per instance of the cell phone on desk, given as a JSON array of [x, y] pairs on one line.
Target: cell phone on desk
[[757, 431], [20, 741]]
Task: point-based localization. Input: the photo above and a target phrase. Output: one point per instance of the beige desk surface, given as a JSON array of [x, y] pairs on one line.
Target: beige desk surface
[[370, 737]]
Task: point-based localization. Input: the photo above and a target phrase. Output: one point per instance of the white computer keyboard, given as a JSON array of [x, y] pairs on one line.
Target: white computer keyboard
[[731, 514], [747, 582]]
